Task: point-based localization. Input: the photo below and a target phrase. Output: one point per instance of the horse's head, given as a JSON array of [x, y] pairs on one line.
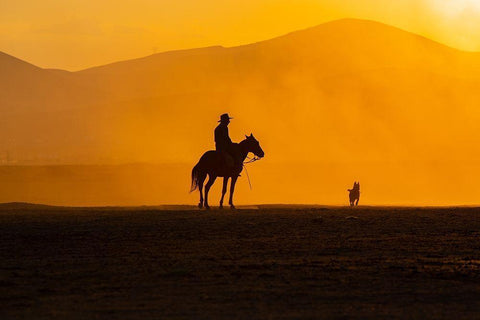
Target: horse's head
[[252, 145]]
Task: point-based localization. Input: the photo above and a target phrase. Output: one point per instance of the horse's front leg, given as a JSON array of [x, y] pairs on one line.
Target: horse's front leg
[[232, 190], [224, 190], [211, 180]]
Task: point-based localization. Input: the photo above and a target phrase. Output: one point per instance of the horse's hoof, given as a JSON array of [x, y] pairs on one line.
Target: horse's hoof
[[207, 207], [220, 207], [232, 207], [200, 205]]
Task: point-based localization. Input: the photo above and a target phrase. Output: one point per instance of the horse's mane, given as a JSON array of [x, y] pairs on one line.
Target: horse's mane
[[239, 144]]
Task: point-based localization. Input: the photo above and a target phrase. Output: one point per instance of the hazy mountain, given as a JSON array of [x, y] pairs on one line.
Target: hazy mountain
[[342, 90]]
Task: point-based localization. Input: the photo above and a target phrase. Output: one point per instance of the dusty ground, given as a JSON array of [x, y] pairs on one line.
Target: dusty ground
[[275, 262]]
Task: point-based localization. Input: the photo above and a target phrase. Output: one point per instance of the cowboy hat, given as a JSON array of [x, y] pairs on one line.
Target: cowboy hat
[[224, 117]]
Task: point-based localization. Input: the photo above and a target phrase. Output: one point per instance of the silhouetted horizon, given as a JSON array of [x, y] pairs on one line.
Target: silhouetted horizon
[[219, 46]]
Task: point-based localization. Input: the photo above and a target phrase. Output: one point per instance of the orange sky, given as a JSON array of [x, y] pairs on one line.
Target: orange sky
[[352, 100], [77, 34]]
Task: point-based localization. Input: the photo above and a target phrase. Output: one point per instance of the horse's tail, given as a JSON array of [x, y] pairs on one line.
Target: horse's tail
[[195, 173]]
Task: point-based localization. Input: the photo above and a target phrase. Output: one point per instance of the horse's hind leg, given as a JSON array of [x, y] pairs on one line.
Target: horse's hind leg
[[201, 180], [211, 180], [224, 190]]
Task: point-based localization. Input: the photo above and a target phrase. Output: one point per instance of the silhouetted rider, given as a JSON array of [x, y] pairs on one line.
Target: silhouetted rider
[[223, 143]]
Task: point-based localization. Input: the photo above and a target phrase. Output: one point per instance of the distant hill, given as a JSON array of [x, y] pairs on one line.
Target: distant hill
[[348, 89]]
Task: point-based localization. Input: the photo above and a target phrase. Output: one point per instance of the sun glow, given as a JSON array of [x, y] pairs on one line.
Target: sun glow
[[455, 8]]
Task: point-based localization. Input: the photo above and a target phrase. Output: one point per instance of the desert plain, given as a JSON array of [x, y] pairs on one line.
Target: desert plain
[[256, 262]]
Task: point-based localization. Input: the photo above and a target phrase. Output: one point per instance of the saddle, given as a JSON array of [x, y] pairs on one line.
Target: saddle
[[228, 160]]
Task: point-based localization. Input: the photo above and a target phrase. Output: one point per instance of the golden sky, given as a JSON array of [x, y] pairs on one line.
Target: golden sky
[[409, 134], [77, 34]]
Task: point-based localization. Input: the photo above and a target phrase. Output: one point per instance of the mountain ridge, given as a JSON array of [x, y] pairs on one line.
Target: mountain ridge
[[286, 35]]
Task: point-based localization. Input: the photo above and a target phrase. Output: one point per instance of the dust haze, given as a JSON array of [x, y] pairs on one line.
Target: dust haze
[[350, 100]]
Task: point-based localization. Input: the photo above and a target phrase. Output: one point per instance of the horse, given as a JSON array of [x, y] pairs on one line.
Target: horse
[[213, 164], [354, 194]]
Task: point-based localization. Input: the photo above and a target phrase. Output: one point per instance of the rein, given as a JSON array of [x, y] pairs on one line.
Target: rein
[[250, 160]]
